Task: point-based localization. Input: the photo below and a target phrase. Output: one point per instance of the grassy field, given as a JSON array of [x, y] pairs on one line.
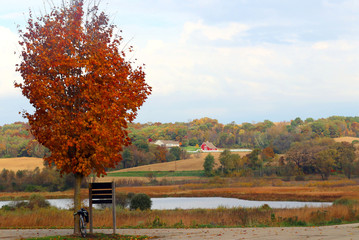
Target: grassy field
[[187, 169], [198, 173], [346, 139], [191, 148], [194, 163], [220, 217], [23, 163]]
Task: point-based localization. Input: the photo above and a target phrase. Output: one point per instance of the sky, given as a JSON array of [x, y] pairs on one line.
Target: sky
[[234, 60]]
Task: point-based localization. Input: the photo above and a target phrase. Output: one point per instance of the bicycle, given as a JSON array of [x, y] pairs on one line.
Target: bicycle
[[83, 219]]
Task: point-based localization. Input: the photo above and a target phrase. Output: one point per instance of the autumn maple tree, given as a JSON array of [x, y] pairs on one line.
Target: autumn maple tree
[[83, 90]]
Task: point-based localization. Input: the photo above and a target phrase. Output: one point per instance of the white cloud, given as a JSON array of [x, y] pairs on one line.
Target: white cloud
[[255, 73], [8, 45], [348, 5], [321, 45], [10, 16], [282, 57], [218, 32]]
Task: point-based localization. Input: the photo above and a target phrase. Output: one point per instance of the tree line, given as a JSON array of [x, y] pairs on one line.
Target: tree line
[[321, 156], [260, 135], [279, 138], [17, 141], [46, 179], [145, 153]]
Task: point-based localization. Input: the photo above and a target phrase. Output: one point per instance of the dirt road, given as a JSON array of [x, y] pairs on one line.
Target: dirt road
[[339, 232]]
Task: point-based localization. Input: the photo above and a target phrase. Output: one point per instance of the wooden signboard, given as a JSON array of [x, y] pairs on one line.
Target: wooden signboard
[[100, 193]]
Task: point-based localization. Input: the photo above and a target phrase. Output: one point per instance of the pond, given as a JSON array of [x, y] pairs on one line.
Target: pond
[[198, 202], [215, 202]]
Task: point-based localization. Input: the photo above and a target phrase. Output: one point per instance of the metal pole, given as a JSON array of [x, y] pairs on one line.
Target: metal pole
[[90, 207], [114, 206]]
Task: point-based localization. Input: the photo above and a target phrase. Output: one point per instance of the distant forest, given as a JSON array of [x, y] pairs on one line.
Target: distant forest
[[279, 136], [16, 140]]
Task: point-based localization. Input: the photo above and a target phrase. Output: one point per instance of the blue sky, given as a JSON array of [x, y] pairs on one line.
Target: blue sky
[[242, 61]]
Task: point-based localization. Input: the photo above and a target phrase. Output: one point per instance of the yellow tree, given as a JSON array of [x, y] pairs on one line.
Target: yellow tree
[[83, 90]]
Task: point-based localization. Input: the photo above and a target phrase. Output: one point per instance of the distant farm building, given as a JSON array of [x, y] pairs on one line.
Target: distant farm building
[[208, 146], [167, 143]]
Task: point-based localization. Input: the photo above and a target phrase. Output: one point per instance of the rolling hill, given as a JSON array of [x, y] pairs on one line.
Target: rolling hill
[[22, 163], [195, 162]]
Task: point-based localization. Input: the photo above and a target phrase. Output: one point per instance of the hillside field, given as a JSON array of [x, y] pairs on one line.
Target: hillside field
[[346, 139], [195, 162], [173, 171], [22, 163]]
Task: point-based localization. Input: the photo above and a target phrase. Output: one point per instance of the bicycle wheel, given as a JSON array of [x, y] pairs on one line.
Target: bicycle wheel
[[82, 227]]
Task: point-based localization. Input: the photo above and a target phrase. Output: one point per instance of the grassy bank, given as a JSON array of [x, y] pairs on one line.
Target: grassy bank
[[221, 217]]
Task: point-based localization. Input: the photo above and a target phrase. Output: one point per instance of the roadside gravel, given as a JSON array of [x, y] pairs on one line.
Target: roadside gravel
[[338, 232]]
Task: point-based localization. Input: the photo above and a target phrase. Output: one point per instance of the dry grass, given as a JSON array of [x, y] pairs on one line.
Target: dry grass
[[46, 218], [195, 162], [346, 139], [47, 195], [145, 180], [37, 218], [23, 163], [328, 184]]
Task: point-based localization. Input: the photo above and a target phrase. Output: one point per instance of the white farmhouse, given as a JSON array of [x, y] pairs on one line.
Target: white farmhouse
[[167, 143]]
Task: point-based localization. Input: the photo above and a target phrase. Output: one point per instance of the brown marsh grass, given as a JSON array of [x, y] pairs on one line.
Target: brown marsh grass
[[48, 195], [234, 217]]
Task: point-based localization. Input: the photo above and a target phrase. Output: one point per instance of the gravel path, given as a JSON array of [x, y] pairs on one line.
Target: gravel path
[[338, 232]]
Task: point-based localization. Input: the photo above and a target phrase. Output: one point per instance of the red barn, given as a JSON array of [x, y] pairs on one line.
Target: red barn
[[207, 146]]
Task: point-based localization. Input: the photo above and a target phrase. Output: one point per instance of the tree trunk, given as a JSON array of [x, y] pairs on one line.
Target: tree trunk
[[77, 201]]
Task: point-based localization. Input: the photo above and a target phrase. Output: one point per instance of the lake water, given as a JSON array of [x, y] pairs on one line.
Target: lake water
[[215, 202], [198, 202]]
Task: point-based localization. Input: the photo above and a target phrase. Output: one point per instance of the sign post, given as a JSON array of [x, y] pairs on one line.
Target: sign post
[[100, 193]]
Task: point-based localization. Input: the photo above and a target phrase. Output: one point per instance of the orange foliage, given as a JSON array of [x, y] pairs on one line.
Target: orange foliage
[[161, 153], [268, 153], [83, 90]]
